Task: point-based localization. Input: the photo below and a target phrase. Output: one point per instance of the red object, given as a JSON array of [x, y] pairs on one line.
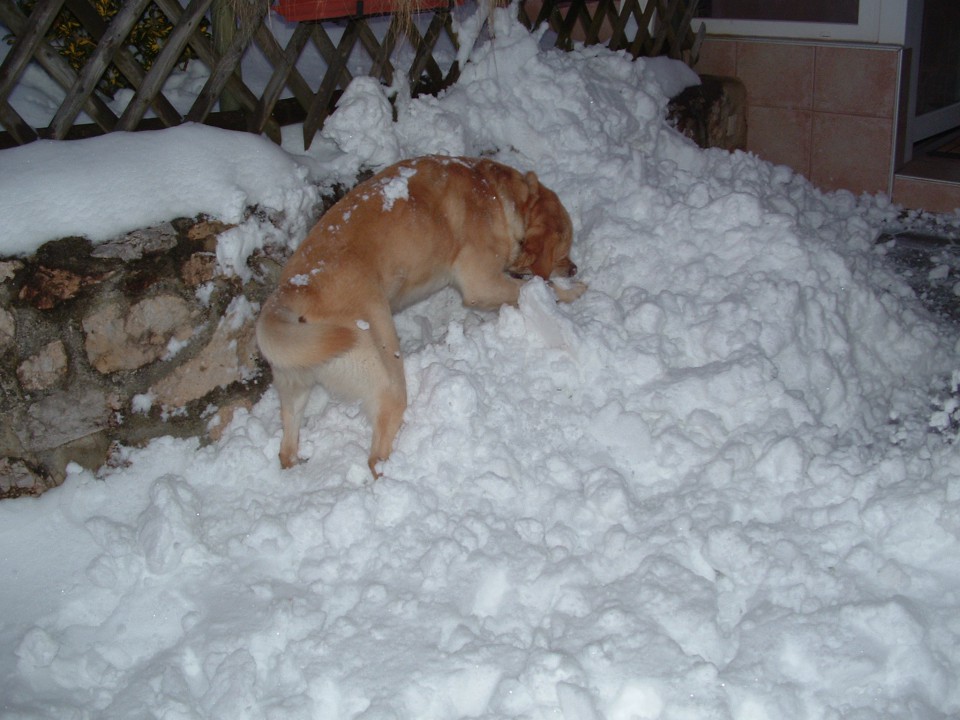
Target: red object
[[296, 10]]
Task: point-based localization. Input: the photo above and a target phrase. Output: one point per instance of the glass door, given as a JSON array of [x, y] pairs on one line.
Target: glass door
[[933, 34]]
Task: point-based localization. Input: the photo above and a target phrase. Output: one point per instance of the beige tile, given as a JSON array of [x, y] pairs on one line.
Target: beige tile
[[855, 81], [777, 74], [717, 57], [851, 152], [781, 136], [929, 195]]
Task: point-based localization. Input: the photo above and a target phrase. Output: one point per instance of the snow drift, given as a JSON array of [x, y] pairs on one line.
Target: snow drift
[[707, 489]]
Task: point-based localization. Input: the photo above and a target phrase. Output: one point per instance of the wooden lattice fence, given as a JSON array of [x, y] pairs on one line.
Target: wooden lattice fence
[[641, 27]]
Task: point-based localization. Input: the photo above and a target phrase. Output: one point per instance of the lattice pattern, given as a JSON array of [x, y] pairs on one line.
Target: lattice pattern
[[255, 113], [661, 27]]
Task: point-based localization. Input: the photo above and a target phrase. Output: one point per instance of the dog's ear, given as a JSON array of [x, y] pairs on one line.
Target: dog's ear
[[536, 254], [545, 227]]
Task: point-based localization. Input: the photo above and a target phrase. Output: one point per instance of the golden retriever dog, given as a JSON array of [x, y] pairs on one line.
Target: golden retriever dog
[[405, 233]]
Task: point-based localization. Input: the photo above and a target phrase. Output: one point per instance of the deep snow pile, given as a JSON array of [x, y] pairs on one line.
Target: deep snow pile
[[707, 489]]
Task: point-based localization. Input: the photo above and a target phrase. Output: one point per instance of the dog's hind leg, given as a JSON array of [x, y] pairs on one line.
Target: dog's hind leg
[[386, 399], [293, 386], [389, 416]]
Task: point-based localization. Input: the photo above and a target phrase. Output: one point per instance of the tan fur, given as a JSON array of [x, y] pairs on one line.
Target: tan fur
[[407, 232]]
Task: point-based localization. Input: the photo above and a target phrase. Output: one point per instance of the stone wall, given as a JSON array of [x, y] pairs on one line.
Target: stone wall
[[113, 344]]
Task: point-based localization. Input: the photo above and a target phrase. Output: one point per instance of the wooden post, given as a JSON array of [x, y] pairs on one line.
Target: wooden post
[[224, 28]]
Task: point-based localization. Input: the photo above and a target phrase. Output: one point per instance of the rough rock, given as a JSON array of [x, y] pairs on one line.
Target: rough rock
[[8, 268], [138, 243], [48, 287], [8, 330], [116, 339], [45, 369], [198, 269], [64, 417], [18, 478], [229, 357]]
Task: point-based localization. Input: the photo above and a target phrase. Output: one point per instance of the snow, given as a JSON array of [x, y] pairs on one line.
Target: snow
[[115, 183], [397, 188], [722, 484]]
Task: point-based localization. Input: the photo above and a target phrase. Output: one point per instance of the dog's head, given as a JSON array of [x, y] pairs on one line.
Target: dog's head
[[548, 234]]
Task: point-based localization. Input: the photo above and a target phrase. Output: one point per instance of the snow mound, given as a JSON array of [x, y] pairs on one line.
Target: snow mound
[[706, 489]]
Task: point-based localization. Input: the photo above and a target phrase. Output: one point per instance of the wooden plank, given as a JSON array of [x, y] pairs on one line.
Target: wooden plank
[[697, 44], [677, 33], [86, 83], [618, 38], [380, 67], [223, 26], [208, 56], [18, 128], [585, 20], [548, 14], [687, 38], [420, 54], [123, 58], [665, 26], [565, 29], [523, 17], [369, 42], [164, 63], [453, 74], [642, 38], [423, 61], [54, 64], [593, 23], [337, 74], [213, 89], [331, 53], [284, 73], [606, 9], [29, 37], [284, 60]]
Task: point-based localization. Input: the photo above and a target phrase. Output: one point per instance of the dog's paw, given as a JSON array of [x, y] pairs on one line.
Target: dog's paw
[[289, 460]]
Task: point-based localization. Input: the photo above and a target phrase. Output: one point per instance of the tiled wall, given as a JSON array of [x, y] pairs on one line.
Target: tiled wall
[[828, 111]]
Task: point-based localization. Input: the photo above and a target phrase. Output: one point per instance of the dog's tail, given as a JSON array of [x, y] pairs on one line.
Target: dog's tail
[[288, 339]]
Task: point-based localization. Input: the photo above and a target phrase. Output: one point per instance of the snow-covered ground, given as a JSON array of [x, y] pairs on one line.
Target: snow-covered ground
[[722, 484]]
